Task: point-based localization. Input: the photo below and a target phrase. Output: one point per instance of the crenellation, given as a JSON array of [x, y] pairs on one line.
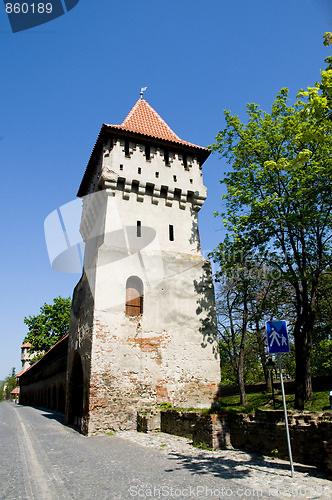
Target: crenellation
[[148, 170]]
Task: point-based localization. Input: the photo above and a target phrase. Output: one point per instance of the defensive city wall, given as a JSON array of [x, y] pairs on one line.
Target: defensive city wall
[[263, 432], [43, 385]]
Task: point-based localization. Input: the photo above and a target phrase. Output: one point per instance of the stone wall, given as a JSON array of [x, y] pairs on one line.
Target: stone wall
[[43, 384], [179, 423], [263, 433]]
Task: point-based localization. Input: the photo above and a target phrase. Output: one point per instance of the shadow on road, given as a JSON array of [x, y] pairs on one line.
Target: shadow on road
[[222, 466], [53, 415]]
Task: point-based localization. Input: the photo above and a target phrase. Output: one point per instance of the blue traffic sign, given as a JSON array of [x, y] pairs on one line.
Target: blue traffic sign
[[277, 336]]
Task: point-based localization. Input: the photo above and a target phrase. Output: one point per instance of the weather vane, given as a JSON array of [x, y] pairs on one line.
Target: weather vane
[[143, 89]]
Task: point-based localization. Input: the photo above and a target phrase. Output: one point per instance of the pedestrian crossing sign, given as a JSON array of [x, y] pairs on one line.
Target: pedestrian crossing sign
[[277, 336]]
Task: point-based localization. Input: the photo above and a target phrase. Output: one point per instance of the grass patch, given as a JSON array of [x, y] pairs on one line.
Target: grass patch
[[202, 446], [169, 406], [257, 401], [165, 406], [264, 401], [110, 433]]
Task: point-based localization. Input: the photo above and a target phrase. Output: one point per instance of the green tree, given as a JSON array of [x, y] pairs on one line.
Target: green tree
[[8, 385], [279, 201], [48, 326], [322, 334], [248, 295], [232, 314]]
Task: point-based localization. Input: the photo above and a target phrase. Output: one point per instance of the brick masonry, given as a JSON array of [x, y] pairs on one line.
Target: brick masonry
[[141, 196], [168, 352]]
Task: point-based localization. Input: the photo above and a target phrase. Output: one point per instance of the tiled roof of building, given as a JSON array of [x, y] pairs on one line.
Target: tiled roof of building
[[144, 120], [15, 391], [46, 354], [27, 344]]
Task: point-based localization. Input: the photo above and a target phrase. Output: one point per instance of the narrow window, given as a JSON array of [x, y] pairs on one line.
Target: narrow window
[[121, 167], [185, 161], [177, 194], [139, 170], [157, 174], [174, 178], [191, 181], [134, 296], [126, 147], [166, 156], [147, 151], [139, 229], [163, 192], [120, 185], [134, 187], [171, 232], [149, 189], [190, 197]]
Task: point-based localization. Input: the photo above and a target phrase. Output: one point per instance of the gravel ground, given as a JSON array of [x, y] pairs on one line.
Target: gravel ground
[[260, 471]]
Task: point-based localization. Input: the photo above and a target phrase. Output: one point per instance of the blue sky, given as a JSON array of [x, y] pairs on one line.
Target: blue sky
[[62, 80]]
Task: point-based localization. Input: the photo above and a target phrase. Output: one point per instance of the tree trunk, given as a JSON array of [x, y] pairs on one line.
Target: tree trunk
[[303, 342], [262, 355], [243, 397], [242, 389], [268, 381]]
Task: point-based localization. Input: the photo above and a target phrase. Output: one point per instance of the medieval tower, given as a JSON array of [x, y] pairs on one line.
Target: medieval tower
[[143, 325]]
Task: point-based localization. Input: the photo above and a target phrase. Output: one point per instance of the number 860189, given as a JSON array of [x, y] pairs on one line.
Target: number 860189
[[29, 8]]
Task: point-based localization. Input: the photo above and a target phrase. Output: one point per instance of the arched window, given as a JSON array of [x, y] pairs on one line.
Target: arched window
[[134, 296]]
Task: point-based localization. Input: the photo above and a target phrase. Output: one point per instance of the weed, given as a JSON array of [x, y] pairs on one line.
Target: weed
[[165, 406], [202, 446]]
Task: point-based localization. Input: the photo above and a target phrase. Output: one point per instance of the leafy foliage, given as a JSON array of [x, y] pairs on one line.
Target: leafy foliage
[[247, 291], [8, 385], [46, 328], [327, 38], [279, 199], [322, 334]]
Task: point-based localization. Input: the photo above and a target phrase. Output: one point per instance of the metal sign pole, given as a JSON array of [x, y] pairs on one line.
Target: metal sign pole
[[286, 419]]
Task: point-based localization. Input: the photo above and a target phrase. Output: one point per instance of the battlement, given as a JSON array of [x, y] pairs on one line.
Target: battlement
[[137, 171]]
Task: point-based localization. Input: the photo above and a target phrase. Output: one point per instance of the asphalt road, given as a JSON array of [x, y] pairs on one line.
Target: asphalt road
[[42, 459]]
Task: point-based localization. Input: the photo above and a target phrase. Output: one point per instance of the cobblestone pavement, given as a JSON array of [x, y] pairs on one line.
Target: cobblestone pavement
[[42, 459]]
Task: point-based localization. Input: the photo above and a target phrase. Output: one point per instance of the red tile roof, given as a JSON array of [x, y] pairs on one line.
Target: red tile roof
[[27, 344], [46, 353], [144, 120], [15, 391]]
